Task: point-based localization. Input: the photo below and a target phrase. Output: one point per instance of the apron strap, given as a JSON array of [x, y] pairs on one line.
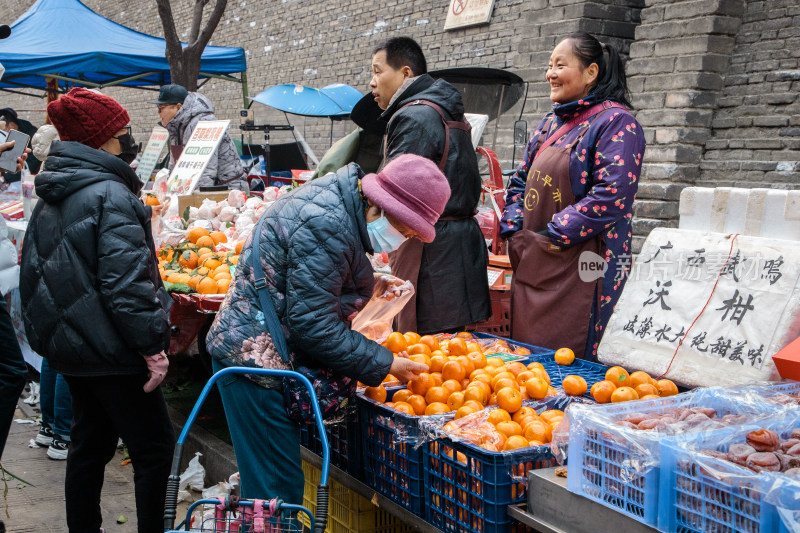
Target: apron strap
[[462, 125], [569, 126]]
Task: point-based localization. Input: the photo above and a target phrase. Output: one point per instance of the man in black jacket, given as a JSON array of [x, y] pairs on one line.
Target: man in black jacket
[[95, 308], [449, 274]]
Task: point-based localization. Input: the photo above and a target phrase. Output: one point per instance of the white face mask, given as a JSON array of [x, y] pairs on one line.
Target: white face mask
[[383, 236]]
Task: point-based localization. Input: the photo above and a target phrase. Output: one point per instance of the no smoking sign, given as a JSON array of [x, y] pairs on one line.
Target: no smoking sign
[[463, 13]]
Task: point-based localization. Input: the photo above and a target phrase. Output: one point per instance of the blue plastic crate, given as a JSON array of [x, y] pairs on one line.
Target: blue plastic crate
[[609, 471], [788, 498], [470, 488], [344, 441], [691, 500], [591, 372], [392, 465]]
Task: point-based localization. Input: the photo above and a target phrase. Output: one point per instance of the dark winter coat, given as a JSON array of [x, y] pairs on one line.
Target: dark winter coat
[[452, 290], [92, 300], [224, 165], [313, 251]]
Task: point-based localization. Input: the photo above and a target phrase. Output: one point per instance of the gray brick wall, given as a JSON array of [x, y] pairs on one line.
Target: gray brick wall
[[677, 67], [755, 138], [302, 41], [714, 82]]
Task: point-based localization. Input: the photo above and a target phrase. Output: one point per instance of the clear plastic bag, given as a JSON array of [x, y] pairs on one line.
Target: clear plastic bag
[[737, 467], [389, 296]]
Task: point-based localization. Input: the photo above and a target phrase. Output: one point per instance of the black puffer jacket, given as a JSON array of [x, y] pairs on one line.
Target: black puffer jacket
[[92, 300], [313, 251], [452, 290]]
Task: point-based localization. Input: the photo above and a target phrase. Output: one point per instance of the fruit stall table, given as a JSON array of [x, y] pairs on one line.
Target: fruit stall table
[[191, 316], [551, 508]]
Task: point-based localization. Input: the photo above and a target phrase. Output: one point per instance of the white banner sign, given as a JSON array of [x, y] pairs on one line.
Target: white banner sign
[[152, 153], [196, 155], [730, 304], [464, 13]]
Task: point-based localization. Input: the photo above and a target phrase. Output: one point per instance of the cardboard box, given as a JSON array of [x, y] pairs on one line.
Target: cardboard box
[[500, 267], [196, 199], [787, 361]]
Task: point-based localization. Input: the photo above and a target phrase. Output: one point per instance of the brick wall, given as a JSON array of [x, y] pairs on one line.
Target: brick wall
[[755, 139], [300, 41], [715, 82], [676, 70]]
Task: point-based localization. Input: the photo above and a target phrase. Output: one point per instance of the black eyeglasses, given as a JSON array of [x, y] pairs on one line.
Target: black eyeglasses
[[127, 132]]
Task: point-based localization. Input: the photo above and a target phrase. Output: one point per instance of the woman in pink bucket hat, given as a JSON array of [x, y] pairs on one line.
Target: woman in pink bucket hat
[[312, 248]]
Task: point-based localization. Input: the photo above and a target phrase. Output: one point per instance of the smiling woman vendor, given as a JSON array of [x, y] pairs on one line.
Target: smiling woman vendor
[[572, 194]]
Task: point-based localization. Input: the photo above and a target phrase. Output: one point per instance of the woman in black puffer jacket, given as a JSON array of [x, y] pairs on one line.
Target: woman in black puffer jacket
[[95, 308]]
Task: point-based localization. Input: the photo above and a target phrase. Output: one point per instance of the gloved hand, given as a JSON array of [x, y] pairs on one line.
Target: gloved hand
[[157, 366]]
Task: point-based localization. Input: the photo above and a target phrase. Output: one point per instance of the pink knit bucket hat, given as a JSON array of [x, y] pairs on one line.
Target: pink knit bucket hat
[[413, 190]]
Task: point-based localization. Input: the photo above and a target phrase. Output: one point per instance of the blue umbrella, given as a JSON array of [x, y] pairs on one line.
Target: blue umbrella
[[332, 101]]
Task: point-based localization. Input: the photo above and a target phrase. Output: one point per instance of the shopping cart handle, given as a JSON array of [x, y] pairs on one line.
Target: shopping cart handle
[[170, 508]]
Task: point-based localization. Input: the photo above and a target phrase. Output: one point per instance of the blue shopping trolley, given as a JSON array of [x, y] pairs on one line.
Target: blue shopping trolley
[[232, 514]]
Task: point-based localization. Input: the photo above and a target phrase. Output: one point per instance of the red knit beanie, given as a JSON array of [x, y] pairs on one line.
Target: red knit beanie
[[87, 117]]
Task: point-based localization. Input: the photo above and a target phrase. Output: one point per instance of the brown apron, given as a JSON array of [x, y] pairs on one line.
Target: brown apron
[[550, 305], [405, 261]]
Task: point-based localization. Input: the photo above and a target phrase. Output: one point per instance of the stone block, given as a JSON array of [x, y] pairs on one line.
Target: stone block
[[647, 100], [763, 166], [717, 144], [773, 121], [669, 171], [702, 62], [675, 117], [655, 209], [659, 191], [698, 44], [643, 226], [642, 49], [658, 65], [731, 8], [763, 144], [542, 16], [652, 14], [723, 123], [789, 132], [779, 99], [698, 99]]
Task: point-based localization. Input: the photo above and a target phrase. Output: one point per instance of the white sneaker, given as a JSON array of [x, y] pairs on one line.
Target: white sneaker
[[45, 436], [59, 449]]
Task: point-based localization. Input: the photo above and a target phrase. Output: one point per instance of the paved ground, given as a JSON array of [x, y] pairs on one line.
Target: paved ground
[[40, 508]]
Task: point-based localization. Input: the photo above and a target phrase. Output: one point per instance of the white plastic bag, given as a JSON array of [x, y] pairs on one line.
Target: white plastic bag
[[193, 478]]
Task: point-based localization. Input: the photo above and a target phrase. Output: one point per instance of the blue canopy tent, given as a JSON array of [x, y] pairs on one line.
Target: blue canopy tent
[[66, 41]]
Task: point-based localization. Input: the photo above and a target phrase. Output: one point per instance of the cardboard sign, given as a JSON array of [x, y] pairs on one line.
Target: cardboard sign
[[733, 302], [196, 155], [462, 13], [152, 153]]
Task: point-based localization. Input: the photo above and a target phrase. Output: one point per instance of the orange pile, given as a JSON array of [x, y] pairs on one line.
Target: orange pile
[[199, 261], [460, 378], [619, 386]]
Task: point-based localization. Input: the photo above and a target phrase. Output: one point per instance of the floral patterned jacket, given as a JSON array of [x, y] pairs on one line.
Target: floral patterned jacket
[[313, 252], [605, 166]]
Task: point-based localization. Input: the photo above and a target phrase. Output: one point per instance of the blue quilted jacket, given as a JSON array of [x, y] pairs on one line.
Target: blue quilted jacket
[[313, 250]]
